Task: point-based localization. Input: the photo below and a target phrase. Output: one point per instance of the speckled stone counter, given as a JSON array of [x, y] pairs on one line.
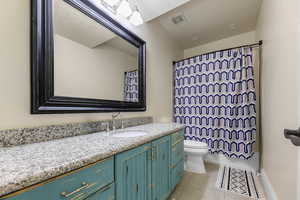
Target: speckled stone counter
[[21, 136], [25, 165]]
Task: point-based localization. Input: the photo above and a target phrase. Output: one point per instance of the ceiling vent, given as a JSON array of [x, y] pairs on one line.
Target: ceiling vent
[[178, 19]]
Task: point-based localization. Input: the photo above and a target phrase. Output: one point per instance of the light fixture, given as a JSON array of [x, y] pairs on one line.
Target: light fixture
[[124, 9], [111, 2], [136, 18]]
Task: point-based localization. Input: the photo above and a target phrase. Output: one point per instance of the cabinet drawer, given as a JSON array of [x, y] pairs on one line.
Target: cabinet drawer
[[177, 174], [106, 193], [176, 137], [177, 153], [76, 185]]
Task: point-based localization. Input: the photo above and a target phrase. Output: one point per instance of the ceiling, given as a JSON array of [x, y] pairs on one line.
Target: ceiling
[[123, 45], [76, 26], [204, 20], [209, 20], [151, 9]]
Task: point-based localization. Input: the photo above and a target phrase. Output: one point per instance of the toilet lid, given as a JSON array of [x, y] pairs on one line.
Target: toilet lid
[[195, 144]]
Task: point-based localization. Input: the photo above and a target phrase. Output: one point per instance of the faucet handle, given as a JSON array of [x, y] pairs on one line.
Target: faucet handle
[[116, 115], [122, 124], [107, 126]]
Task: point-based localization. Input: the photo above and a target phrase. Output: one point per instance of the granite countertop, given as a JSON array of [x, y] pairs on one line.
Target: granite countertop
[[23, 166]]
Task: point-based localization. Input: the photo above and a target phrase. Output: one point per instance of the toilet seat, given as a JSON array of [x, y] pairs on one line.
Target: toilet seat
[[200, 152], [194, 144]]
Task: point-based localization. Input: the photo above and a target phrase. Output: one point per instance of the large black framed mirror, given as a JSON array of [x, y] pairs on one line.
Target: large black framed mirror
[[82, 60]]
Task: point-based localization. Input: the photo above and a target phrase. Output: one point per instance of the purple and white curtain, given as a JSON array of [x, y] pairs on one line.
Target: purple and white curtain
[[131, 86], [215, 98]]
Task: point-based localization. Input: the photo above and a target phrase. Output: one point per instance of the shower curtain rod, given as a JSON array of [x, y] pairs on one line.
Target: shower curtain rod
[[247, 45]]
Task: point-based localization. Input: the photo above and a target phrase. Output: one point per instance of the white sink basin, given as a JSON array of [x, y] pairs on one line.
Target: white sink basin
[[132, 133]]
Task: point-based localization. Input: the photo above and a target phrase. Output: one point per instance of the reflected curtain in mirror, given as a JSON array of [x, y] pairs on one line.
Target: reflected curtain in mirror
[[131, 86]]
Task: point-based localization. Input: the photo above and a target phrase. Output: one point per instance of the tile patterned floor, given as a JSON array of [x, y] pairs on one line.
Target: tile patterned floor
[[202, 187]]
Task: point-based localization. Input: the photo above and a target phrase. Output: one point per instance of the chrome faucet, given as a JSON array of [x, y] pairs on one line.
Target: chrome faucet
[[114, 116]]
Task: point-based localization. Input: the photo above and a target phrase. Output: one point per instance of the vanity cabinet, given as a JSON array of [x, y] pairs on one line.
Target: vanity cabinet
[[152, 171], [86, 183], [148, 172], [161, 168], [133, 174]]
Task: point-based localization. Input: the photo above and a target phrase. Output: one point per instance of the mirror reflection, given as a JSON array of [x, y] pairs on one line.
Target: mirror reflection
[[90, 61]]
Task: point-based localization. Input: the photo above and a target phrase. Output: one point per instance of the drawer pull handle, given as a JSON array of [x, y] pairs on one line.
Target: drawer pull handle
[[105, 188], [154, 153], [84, 186]]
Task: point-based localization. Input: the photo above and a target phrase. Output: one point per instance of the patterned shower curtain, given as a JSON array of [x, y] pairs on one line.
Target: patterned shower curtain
[[131, 86], [215, 98]]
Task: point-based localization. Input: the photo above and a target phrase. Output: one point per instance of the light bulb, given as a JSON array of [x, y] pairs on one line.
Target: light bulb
[[136, 18], [111, 2], [124, 9]]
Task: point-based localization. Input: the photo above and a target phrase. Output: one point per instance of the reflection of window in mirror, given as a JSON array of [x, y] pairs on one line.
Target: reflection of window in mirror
[[90, 60]]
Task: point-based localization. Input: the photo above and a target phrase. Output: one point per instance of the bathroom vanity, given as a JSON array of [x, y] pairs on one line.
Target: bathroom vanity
[[99, 166]]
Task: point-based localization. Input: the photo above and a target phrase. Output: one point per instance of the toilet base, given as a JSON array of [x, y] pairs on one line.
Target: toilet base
[[194, 164]]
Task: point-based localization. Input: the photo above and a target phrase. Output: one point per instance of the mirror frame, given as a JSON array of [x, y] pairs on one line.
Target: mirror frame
[[43, 100]]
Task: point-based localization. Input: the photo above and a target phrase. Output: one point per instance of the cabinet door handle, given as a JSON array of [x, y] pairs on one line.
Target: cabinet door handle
[[84, 186], [149, 154], [154, 153]]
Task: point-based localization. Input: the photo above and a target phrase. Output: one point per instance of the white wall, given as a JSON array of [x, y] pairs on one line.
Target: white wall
[[79, 71], [237, 40], [15, 71], [278, 26]]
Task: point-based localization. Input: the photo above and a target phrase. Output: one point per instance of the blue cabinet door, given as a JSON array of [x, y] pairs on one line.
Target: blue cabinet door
[[177, 158], [133, 174], [161, 168], [177, 153], [177, 174]]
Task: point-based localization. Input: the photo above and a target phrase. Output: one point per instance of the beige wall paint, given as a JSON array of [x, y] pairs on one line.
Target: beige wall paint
[[15, 71], [80, 71], [237, 40], [278, 26]]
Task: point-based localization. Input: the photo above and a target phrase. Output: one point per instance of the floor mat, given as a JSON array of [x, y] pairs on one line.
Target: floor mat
[[241, 182]]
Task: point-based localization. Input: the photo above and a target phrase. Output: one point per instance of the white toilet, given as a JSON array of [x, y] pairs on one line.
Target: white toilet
[[195, 152]]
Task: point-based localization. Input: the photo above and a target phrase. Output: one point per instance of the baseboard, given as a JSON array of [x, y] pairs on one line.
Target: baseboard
[[269, 191]]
